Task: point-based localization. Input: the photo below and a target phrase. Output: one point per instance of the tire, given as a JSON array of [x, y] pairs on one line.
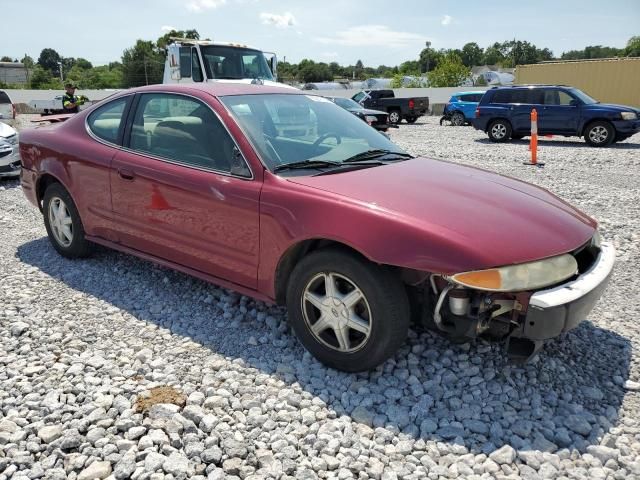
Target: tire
[[517, 137], [395, 117], [599, 134], [457, 119], [411, 119], [499, 131], [381, 308], [59, 210]]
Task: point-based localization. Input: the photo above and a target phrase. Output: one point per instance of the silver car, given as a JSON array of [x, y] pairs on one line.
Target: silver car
[[9, 153], [7, 109]]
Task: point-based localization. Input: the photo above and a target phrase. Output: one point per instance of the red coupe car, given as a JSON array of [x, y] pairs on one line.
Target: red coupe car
[[288, 198]]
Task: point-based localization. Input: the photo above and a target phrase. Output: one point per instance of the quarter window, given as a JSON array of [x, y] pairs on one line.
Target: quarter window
[[186, 131], [557, 97], [105, 122]]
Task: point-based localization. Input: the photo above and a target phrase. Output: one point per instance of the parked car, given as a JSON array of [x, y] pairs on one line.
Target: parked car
[[7, 108], [461, 107], [504, 113], [9, 152], [351, 233], [376, 118], [409, 109]]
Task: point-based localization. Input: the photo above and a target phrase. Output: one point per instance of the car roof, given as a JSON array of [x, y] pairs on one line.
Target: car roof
[[470, 92], [530, 85], [218, 89]]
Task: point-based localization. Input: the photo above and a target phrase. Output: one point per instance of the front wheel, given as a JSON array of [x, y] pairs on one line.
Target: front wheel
[[63, 224], [499, 131], [350, 314], [599, 134], [395, 117]]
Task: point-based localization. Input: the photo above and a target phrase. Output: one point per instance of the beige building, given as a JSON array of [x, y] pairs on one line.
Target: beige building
[[609, 80]]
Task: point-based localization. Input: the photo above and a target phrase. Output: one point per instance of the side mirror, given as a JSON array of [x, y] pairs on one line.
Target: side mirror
[[238, 165]]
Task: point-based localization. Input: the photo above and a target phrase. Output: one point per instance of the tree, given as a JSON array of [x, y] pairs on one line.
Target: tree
[[27, 61], [471, 54], [49, 59], [429, 58], [309, 71], [633, 47], [6, 59], [359, 69], [410, 67], [450, 72], [142, 64], [493, 55], [44, 79]]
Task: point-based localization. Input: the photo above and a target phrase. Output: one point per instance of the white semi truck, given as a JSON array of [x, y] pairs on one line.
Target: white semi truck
[[190, 61]]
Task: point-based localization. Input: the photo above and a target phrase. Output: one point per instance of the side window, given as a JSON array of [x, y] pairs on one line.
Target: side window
[[105, 121], [196, 69], [564, 98], [502, 96], [185, 62], [186, 131], [358, 96]]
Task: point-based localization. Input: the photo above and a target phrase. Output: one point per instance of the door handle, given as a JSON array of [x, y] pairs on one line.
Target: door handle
[[125, 174]]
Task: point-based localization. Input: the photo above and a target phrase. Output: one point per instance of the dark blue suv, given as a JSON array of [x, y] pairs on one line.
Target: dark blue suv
[[505, 112]]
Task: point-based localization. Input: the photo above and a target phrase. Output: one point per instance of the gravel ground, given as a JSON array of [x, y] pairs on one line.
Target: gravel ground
[[83, 345]]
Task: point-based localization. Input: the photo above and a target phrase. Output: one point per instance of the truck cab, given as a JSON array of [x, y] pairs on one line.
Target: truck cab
[[190, 61]]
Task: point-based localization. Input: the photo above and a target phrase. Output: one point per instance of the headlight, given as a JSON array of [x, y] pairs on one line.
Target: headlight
[[526, 276], [628, 115], [370, 119]]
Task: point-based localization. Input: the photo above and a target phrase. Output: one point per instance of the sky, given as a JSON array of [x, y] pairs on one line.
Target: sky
[[378, 32]]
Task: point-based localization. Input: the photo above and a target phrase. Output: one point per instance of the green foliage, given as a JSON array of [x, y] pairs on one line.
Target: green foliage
[[633, 47], [49, 59], [42, 78], [27, 61], [593, 51], [450, 72], [471, 54], [310, 71], [165, 40], [411, 67], [480, 81], [6, 59], [142, 64]]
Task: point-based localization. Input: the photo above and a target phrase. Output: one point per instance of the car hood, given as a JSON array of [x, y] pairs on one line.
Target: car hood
[[6, 130], [614, 107], [489, 215], [367, 111]]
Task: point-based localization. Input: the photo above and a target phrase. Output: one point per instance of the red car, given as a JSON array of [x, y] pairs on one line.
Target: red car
[[288, 198]]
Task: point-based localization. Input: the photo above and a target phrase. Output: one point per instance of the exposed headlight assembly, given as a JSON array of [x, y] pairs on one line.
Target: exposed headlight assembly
[[370, 119], [628, 116], [514, 278]]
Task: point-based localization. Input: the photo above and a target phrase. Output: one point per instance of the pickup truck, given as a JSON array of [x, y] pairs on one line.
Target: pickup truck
[[398, 108]]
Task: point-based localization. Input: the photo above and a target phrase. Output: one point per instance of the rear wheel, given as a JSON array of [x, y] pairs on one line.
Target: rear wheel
[[599, 134], [350, 314], [499, 131], [63, 224], [411, 119], [457, 119], [395, 117]]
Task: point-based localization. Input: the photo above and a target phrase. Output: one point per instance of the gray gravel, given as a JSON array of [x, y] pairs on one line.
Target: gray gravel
[[82, 341]]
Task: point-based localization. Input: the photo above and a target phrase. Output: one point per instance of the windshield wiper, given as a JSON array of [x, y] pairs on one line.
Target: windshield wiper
[[306, 164], [375, 153]]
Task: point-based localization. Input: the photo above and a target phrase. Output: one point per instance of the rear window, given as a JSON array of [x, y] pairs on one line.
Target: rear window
[[471, 97], [4, 98], [527, 96]]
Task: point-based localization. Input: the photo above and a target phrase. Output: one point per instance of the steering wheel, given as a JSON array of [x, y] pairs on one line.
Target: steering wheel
[[323, 137]]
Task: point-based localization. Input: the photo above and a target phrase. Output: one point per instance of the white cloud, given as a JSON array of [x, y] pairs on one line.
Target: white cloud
[[446, 20], [372, 36], [330, 54], [167, 28], [280, 21], [199, 5]]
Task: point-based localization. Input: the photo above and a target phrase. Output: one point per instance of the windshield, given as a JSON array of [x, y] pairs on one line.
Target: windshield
[[347, 103], [297, 128], [234, 63], [583, 96]]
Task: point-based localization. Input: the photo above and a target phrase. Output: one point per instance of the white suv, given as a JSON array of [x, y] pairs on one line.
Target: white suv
[[9, 154], [7, 109]]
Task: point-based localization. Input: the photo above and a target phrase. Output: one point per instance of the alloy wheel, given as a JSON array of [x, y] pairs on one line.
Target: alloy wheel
[[598, 134], [336, 312], [60, 221], [499, 130]]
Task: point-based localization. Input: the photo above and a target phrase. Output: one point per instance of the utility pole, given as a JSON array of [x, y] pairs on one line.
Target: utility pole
[[428, 44], [61, 79], [146, 79]]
